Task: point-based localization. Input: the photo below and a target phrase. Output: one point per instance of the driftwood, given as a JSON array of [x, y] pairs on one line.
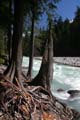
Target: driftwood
[[31, 103]]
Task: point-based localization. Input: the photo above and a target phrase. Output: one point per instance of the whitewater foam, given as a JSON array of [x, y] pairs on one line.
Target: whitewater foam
[[65, 77]]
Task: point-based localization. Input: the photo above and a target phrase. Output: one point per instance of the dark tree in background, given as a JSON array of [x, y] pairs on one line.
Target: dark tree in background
[[68, 37], [29, 73], [9, 34]]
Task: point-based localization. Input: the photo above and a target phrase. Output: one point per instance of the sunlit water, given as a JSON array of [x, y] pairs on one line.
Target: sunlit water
[[65, 77]]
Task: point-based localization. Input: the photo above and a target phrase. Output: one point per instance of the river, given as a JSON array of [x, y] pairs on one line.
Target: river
[[65, 77]]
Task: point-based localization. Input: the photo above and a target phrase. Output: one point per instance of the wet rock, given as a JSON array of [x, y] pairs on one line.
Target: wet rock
[[74, 93], [60, 90]]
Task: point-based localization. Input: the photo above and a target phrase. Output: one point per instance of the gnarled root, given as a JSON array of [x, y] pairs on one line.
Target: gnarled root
[[31, 103]]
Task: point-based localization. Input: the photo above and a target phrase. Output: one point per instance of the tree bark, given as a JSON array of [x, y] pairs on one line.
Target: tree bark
[[45, 74], [17, 36], [9, 31], [50, 55], [16, 59], [29, 73]]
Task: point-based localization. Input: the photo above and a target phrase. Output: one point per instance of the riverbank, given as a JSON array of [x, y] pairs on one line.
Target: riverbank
[[57, 105], [72, 61], [31, 103]]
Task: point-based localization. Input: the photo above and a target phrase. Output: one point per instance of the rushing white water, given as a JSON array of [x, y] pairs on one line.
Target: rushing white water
[[65, 77]]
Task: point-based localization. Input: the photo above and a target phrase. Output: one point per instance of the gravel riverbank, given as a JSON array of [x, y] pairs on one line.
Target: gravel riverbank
[[73, 61]]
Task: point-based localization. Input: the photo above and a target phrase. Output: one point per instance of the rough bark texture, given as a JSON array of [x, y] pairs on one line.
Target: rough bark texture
[[49, 77], [29, 74], [16, 59], [17, 35], [45, 74], [9, 31]]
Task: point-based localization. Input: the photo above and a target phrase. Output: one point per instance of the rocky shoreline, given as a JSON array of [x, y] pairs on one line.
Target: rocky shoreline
[[72, 61]]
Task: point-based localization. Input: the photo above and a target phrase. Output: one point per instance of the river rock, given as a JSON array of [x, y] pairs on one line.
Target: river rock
[[74, 93], [60, 90]]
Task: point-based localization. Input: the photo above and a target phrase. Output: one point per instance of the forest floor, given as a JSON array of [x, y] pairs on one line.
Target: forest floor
[[31, 103], [36, 103]]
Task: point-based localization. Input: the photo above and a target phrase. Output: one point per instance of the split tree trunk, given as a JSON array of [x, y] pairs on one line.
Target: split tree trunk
[[45, 74]]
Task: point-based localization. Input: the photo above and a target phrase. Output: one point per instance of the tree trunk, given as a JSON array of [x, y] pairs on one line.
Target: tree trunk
[[17, 36], [9, 32], [50, 56], [45, 74], [9, 43], [14, 67], [29, 73]]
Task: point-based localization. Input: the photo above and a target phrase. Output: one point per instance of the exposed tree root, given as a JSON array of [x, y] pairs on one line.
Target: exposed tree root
[[31, 103]]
